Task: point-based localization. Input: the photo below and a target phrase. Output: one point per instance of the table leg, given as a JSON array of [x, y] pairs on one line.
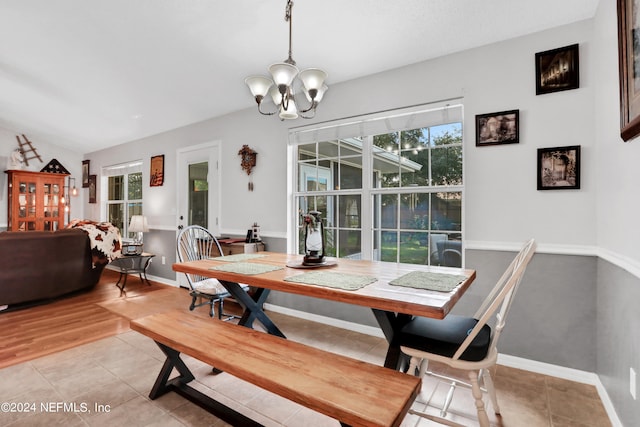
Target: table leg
[[391, 323], [252, 307], [144, 271], [259, 296], [123, 277]]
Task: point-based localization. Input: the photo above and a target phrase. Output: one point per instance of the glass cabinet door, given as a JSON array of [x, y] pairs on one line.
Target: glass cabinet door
[[27, 205], [51, 206]]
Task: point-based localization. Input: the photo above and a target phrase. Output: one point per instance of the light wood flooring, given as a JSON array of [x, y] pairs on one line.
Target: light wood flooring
[[81, 349]]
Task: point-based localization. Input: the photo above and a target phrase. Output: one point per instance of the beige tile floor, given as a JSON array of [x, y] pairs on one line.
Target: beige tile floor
[[106, 383]]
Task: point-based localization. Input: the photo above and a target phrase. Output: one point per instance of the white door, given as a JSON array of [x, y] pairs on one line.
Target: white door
[[198, 189]]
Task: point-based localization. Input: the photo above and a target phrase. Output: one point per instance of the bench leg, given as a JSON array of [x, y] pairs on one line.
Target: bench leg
[[162, 384], [179, 385]]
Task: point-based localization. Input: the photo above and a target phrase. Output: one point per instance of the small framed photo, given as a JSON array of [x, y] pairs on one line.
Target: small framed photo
[[92, 188], [498, 128], [559, 168], [85, 173], [157, 171], [557, 69]]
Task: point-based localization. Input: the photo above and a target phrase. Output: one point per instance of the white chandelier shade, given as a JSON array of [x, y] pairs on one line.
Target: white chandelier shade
[[284, 77]]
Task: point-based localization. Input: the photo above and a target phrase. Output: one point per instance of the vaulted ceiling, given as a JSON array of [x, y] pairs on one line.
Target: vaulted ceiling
[[89, 74]]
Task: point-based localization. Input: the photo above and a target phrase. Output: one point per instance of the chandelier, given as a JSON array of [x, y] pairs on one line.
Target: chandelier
[[281, 85]]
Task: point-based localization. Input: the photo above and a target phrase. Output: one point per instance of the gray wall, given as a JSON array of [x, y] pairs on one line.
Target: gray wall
[[618, 337], [553, 317], [162, 243], [552, 320]]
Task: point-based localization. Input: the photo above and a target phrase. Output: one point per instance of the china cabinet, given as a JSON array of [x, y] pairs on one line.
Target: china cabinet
[[35, 200]]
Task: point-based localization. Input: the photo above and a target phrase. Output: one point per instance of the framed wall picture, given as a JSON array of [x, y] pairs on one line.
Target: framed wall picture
[[498, 128], [559, 168], [92, 188], [85, 173], [157, 171], [558, 69], [628, 61]]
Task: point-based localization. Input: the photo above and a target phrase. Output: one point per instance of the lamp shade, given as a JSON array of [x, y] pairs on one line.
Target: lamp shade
[[319, 95], [138, 224], [275, 95], [258, 85], [283, 73], [291, 112], [313, 78]]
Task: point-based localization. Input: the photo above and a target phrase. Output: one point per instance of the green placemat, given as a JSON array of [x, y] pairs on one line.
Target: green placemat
[[347, 282], [248, 268], [237, 257], [431, 281]]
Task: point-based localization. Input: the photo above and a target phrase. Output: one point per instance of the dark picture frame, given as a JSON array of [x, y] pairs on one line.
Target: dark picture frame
[[92, 188], [559, 168], [157, 171], [498, 128], [628, 61], [558, 69], [85, 173]]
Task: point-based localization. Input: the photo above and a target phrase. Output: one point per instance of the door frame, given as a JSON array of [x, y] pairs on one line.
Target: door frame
[[210, 152]]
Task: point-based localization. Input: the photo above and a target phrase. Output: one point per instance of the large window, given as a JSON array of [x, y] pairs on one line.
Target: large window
[[124, 195], [390, 189]]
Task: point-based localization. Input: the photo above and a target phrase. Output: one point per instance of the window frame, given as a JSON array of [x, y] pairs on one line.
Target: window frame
[[369, 190], [124, 170]]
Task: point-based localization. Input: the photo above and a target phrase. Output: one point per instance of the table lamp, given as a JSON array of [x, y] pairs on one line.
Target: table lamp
[[138, 225]]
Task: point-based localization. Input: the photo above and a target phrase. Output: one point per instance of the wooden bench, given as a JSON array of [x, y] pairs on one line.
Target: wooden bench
[[354, 392]]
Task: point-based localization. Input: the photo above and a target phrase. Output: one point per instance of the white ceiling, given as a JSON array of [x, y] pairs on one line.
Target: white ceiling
[[88, 74]]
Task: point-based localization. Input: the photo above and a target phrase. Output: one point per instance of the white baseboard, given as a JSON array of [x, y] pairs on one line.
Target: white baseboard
[[503, 359], [162, 280]]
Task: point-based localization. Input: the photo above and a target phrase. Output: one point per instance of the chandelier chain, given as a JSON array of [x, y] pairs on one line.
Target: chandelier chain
[[288, 16]]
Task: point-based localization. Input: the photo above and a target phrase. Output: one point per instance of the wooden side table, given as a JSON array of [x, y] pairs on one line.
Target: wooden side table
[[132, 264]]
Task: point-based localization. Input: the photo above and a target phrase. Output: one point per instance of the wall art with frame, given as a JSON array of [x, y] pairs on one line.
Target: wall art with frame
[[628, 64], [157, 171], [92, 188], [498, 128], [559, 168], [558, 69], [85, 173]]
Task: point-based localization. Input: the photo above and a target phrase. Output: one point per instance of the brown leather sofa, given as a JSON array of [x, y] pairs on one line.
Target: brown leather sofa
[[41, 265]]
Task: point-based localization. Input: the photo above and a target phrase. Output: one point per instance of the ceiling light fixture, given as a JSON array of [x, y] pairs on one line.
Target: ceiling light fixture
[[281, 84]]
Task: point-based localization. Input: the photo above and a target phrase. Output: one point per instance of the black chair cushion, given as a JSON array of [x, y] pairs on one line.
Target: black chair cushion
[[445, 336]]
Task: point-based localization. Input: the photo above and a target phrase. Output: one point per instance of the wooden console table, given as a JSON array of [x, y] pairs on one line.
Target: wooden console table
[[232, 248]]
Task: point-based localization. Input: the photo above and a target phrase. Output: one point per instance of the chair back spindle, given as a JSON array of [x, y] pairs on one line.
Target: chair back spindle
[[196, 243]]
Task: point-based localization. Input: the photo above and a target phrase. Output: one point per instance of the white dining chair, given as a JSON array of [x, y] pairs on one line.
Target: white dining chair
[[466, 343], [196, 243]]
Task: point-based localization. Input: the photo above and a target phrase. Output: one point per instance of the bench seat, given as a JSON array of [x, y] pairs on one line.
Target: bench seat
[[354, 392]]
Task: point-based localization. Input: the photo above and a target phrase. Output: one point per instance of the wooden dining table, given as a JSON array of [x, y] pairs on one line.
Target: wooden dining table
[[393, 306]]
